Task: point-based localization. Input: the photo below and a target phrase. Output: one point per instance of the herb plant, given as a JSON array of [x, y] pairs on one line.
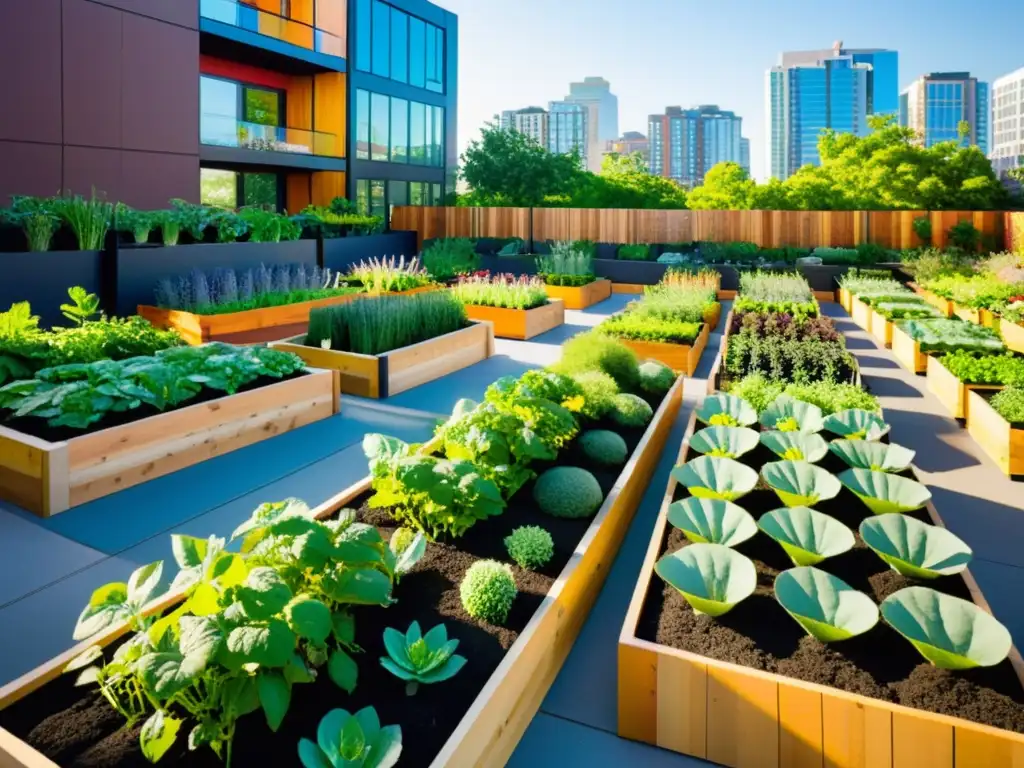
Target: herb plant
[[594, 351], [389, 275], [488, 590], [421, 659], [88, 219], [639, 328], [503, 291], [637, 252], [530, 546], [802, 362], [567, 264], [449, 257], [1010, 404]]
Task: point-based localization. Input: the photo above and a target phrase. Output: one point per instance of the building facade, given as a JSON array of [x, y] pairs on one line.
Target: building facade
[[279, 103], [745, 154], [628, 143], [568, 129], [531, 121], [595, 95], [686, 143], [1007, 122], [937, 104], [809, 91]]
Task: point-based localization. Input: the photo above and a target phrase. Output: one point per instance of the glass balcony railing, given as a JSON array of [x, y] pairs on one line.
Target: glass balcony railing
[[245, 16], [226, 131]]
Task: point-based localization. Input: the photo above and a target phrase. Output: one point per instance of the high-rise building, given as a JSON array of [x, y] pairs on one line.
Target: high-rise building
[[745, 154], [602, 106], [809, 91], [628, 143], [686, 143], [231, 102], [531, 121], [1008, 122], [936, 104], [568, 126]]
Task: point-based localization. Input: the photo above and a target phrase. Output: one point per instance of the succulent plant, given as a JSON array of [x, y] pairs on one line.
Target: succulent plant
[[418, 658], [656, 378], [344, 740]]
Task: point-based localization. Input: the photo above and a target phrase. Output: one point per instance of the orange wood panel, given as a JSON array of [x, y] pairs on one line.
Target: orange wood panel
[[298, 192], [302, 11], [328, 185], [743, 719], [329, 114], [800, 733], [921, 741], [300, 102]]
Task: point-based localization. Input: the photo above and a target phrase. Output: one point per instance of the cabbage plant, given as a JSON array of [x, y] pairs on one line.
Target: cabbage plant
[[787, 414], [724, 442], [800, 483], [915, 549], [880, 457], [828, 608], [711, 577], [795, 446], [857, 424], [884, 493], [712, 478], [724, 410], [807, 536], [712, 521]]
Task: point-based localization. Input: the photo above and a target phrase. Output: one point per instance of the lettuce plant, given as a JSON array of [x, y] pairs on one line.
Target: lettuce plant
[[418, 658], [344, 740]]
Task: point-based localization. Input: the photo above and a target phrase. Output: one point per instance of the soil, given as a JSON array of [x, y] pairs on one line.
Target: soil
[[881, 664], [31, 425], [78, 729]]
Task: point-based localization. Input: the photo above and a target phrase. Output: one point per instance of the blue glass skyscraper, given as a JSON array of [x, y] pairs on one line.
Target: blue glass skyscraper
[[937, 104]]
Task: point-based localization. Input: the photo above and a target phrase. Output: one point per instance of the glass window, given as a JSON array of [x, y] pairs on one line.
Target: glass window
[[377, 198], [435, 59], [363, 196], [362, 125], [381, 38], [437, 195], [218, 106], [439, 136], [398, 194], [417, 132], [416, 192], [219, 188], [399, 131], [399, 46], [363, 35], [417, 52], [379, 127], [428, 135], [260, 189], [262, 106]]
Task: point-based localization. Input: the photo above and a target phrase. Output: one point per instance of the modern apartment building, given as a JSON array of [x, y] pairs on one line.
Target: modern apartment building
[[568, 129], [602, 106], [809, 91], [745, 154], [234, 102], [628, 143], [936, 104], [1008, 122], [531, 121], [686, 143]]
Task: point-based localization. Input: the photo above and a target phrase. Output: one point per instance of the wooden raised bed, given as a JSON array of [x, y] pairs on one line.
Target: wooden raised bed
[[845, 300], [1001, 440], [861, 314], [681, 358], [945, 306], [581, 296], [1013, 335], [253, 326], [47, 478], [908, 351], [950, 391], [520, 323], [881, 327], [489, 732], [627, 287], [825, 296], [747, 718], [381, 376]]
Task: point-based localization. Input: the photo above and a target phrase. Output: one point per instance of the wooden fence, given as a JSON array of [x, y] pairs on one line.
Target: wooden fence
[[1015, 232], [768, 229]]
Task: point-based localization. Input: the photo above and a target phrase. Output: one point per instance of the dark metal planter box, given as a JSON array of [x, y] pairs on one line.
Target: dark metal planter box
[[43, 279], [138, 270], [509, 265], [340, 253], [633, 272], [730, 277], [823, 278]]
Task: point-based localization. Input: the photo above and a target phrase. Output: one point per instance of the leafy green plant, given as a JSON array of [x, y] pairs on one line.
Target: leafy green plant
[[637, 252], [332, 222], [930, 263], [884, 493], [138, 224], [421, 659], [800, 483], [974, 368], [268, 226], [775, 287], [449, 257], [795, 446], [856, 424], [638, 328], [593, 351], [786, 414], [488, 590], [384, 275], [379, 324], [530, 546], [548, 385], [503, 291], [724, 442], [837, 255], [833, 397], [725, 410], [922, 226], [82, 307], [807, 536], [88, 219], [630, 411], [828, 608], [1010, 404], [196, 219], [708, 477], [568, 492], [877, 456], [965, 236], [352, 741], [676, 302], [915, 549], [712, 578], [656, 378], [784, 360], [598, 390], [712, 521], [170, 227], [604, 447], [39, 228], [566, 260]]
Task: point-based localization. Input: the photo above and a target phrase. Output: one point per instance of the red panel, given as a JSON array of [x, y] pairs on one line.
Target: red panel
[[209, 65]]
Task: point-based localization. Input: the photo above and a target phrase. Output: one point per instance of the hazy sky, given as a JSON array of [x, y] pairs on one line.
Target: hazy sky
[[655, 53]]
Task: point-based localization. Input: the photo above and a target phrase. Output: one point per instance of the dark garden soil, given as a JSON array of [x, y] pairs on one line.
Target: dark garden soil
[[31, 425], [77, 728], [881, 664]]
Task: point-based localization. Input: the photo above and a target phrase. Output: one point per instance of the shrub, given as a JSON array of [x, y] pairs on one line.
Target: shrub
[[836, 255], [449, 257], [599, 391], [923, 228], [965, 236], [631, 411], [488, 590], [775, 287], [594, 351], [556, 387], [757, 390], [931, 263], [638, 252], [379, 324], [530, 546], [656, 378], [604, 447], [568, 492], [682, 277]]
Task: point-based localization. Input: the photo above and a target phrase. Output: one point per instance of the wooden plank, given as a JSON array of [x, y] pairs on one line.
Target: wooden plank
[[675, 356], [979, 746], [14, 753], [581, 296], [637, 693], [881, 328], [681, 701], [429, 360], [1003, 444], [520, 323], [861, 314], [800, 727], [628, 288], [743, 718], [919, 741], [908, 351], [358, 374], [855, 735], [1013, 334]]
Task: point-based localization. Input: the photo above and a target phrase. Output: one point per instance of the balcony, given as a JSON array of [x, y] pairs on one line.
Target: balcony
[[246, 15], [229, 140]]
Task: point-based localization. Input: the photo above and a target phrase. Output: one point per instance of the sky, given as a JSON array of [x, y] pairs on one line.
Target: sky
[[657, 53]]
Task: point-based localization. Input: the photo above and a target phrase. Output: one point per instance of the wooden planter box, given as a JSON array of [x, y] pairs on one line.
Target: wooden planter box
[[253, 326], [845, 300], [581, 296], [945, 306], [681, 358], [950, 391], [490, 730], [47, 478], [381, 376], [520, 323], [908, 351], [1013, 335], [1003, 443], [746, 718], [881, 328], [861, 314], [628, 288]]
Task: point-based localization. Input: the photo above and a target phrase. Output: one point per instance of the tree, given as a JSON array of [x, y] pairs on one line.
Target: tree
[[726, 187], [615, 163]]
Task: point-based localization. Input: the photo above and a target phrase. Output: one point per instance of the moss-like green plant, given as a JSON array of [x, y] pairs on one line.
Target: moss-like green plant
[[604, 447], [488, 590], [530, 546], [599, 391], [568, 492], [656, 378], [631, 411], [593, 351]]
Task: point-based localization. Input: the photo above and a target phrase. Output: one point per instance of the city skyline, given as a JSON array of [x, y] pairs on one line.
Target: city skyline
[[723, 61]]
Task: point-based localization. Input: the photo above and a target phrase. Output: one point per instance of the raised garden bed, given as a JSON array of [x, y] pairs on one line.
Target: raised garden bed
[[520, 323], [950, 390], [681, 358], [1001, 440], [881, 327], [474, 719], [908, 350], [984, 317], [1013, 335], [845, 300], [581, 296], [861, 314], [253, 326], [751, 690], [51, 476], [944, 305], [381, 376]]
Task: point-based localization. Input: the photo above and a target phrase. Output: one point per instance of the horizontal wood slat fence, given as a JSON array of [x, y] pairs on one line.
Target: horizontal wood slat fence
[[1015, 232], [768, 229]]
